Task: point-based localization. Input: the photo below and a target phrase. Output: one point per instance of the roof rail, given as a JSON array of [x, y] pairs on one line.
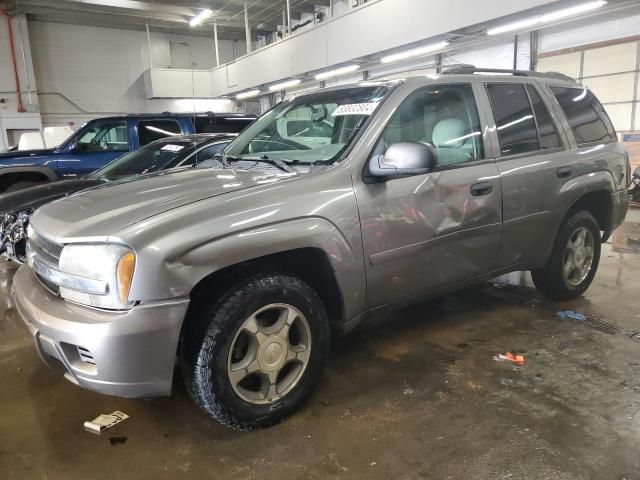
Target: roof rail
[[463, 68]]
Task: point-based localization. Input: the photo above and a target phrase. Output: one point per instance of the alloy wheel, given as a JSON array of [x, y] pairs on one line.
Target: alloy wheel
[[269, 353], [578, 256]]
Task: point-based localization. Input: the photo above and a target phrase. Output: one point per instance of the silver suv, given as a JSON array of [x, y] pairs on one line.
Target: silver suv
[[330, 207]]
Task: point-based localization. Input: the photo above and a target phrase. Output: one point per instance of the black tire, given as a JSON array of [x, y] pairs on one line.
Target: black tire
[[212, 328], [550, 280]]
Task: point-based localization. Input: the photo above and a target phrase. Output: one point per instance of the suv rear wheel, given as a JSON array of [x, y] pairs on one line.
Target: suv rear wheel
[[574, 260], [257, 352]]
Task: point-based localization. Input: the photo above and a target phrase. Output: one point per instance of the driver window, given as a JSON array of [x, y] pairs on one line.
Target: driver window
[[444, 116], [104, 136]]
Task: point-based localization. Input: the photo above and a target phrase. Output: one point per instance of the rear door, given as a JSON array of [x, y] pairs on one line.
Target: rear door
[[536, 166], [427, 231]]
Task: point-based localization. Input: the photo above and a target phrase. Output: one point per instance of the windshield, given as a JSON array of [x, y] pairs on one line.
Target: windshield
[[314, 128], [150, 158]]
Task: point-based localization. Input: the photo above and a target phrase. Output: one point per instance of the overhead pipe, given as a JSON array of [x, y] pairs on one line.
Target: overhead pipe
[[12, 54]]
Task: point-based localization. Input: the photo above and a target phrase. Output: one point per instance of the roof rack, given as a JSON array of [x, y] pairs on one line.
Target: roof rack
[[463, 68]]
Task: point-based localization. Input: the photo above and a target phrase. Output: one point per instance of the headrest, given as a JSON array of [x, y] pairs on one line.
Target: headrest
[[449, 133]]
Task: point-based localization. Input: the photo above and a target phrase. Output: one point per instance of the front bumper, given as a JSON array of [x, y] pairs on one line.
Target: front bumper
[[127, 353]]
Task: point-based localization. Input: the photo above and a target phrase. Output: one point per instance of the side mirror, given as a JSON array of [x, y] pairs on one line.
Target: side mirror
[[404, 158], [73, 147]]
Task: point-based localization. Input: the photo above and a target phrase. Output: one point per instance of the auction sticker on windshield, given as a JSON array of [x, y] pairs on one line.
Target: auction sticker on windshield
[[355, 109], [172, 148]]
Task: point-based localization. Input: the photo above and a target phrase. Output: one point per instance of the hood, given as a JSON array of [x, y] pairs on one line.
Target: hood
[[26, 154], [102, 211], [36, 196]]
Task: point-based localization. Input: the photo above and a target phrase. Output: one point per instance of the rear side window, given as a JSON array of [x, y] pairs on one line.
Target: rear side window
[[221, 124], [587, 118], [514, 118], [547, 133], [152, 130]]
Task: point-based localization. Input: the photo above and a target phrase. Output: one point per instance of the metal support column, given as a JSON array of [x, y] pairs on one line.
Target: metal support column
[[149, 44], [533, 50], [215, 44], [289, 17], [247, 30]]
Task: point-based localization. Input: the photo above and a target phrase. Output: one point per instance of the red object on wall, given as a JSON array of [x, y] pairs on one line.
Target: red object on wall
[[12, 53]]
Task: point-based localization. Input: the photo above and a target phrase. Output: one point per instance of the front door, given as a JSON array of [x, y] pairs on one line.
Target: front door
[[97, 144], [428, 231]]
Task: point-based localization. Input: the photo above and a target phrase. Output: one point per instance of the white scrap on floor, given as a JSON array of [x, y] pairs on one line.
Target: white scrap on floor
[[104, 422]]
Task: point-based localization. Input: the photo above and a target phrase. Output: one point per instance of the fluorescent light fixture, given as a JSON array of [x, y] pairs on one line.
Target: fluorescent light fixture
[[249, 94], [282, 85], [546, 18], [510, 27], [414, 52], [201, 17], [337, 72], [571, 11]]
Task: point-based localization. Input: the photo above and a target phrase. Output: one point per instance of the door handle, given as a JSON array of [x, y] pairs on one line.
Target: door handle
[[564, 172], [482, 188]]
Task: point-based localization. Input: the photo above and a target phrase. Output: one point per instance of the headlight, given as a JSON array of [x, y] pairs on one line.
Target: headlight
[[105, 273], [30, 231]]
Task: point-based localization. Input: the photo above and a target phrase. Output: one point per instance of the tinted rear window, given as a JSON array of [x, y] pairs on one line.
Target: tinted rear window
[[546, 129], [514, 118], [587, 118], [221, 124], [152, 130]]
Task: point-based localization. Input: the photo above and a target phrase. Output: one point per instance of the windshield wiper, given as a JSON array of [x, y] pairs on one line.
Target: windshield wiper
[[277, 162]]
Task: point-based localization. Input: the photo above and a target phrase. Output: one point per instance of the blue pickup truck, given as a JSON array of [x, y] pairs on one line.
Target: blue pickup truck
[[104, 139]]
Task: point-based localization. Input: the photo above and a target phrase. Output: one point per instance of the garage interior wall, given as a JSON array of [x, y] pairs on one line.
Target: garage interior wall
[[100, 70], [83, 72], [12, 122]]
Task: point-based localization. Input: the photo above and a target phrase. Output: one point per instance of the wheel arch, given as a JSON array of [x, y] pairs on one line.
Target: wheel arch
[[596, 199], [11, 175], [312, 249]]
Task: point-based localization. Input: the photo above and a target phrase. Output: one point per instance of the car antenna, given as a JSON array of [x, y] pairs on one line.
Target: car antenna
[[193, 104]]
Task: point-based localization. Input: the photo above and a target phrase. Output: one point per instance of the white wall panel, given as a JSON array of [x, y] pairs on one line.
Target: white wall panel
[[620, 115], [612, 59], [612, 88], [568, 63], [101, 70]]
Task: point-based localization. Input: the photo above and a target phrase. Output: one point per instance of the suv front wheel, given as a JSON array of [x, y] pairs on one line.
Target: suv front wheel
[[256, 353], [574, 260]]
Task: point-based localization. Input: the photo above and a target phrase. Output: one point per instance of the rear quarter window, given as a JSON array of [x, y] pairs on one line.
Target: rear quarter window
[[585, 114], [221, 124]]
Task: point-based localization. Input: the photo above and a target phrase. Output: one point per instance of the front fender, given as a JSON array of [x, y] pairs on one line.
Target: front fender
[[189, 268]]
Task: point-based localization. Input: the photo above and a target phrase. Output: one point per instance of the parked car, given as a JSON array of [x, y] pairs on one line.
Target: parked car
[[243, 272], [102, 140], [170, 152]]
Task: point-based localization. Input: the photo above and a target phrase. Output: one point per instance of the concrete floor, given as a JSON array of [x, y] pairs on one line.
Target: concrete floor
[[417, 395]]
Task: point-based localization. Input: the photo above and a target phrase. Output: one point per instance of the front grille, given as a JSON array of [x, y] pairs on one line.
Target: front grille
[[52, 287], [49, 250]]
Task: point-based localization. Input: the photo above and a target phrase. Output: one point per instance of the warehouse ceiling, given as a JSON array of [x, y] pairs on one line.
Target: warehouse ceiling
[[166, 15]]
